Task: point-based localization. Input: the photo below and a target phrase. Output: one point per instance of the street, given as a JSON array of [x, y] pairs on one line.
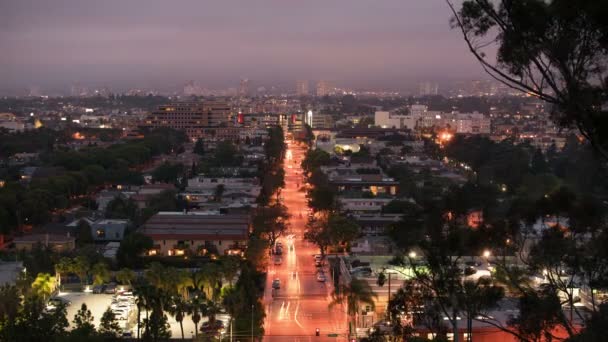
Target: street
[[300, 306]]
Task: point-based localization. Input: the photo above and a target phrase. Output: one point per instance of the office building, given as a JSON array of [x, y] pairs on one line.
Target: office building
[[191, 117], [244, 88], [323, 88], [428, 89], [302, 88]]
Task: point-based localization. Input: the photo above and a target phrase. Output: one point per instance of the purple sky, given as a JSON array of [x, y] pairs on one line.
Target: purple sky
[[150, 42]]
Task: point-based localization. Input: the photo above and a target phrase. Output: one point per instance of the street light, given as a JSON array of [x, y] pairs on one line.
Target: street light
[[412, 254], [486, 253]]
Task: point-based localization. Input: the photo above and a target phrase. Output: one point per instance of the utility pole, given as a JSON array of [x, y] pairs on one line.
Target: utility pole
[[252, 322]]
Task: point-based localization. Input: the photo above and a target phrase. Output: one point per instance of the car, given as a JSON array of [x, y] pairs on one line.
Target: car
[[110, 288], [99, 288], [318, 257], [276, 284], [319, 263], [383, 327], [56, 301], [213, 329], [278, 260], [470, 270], [321, 277], [278, 251]]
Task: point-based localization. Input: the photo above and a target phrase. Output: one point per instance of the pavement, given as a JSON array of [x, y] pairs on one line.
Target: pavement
[[301, 305]]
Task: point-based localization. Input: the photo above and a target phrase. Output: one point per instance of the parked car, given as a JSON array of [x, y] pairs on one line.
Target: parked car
[[278, 260], [59, 300], [321, 277], [99, 288], [110, 288], [276, 284]]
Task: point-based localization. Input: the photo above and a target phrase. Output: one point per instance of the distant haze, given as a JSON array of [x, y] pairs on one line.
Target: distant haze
[[127, 43]]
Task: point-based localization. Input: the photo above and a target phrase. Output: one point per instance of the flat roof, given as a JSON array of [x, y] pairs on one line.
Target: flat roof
[[191, 226]]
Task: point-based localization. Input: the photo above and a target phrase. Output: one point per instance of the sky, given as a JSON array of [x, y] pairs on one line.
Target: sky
[[127, 43]]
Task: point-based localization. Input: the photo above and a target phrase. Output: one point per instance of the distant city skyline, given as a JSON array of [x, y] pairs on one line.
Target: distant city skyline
[[153, 43]]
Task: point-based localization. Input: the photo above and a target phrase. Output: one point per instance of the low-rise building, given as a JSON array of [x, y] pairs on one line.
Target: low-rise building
[[180, 233], [58, 243], [108, 230]]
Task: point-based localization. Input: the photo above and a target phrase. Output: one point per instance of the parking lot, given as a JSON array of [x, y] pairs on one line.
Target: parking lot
[[98, 303]]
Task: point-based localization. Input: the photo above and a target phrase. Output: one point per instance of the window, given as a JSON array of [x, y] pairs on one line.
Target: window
[[450, 336], [164, 242], [466, 336], [219, 242]]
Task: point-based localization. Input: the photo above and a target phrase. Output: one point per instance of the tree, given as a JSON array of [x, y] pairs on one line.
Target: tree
[[125, 276], [314, 159], [101, 273], [83, 233], [322, 198], [230, 266], [34, 323], [44, 285], [179, 308], [81, 268], [194, 310], [219, 191], [83, 321], [9, 303], [108, 325], [553, 50], [131, 248], [199, 147], [167, 172], [342, 229], [353, 294], [63, 266], [317, 233]]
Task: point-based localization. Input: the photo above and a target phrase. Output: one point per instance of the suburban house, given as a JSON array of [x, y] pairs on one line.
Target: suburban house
[[199, 233], [59, 243], [108, 230]]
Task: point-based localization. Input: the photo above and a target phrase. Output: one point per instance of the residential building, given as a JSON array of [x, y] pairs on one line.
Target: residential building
[[180, 233], [58, 243], [244, 88], [108, 230]]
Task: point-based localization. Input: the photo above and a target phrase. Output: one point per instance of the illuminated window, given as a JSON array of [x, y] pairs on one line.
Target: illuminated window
[[450, 336], [101, 233]]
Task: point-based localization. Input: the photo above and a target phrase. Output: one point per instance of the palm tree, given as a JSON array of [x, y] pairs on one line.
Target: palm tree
[[358, 291], [179, 308], [63, 266], [156, 274], [230, 266], [194, 309], [44, 284], [143, 301], [125, 276]]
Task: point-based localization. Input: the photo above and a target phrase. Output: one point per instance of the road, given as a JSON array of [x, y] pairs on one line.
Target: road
[[300, 306]]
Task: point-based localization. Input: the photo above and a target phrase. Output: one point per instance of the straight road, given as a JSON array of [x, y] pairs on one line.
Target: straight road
[[300, 306]]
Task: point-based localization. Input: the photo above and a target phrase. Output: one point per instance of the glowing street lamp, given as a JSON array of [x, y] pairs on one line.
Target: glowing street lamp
[[486, 253], [412, 254]]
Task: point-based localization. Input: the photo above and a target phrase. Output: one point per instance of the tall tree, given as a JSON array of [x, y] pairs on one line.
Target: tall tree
[[553, 50], [108, 325], [83, 323]]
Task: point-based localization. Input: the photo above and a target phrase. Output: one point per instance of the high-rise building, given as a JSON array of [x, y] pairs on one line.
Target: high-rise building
[[191, 117], [323, 88], [244, 87], [302, 88], [428, 88]]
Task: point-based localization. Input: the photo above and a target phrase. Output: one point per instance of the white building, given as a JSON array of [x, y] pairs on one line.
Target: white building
[[385, 119]]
